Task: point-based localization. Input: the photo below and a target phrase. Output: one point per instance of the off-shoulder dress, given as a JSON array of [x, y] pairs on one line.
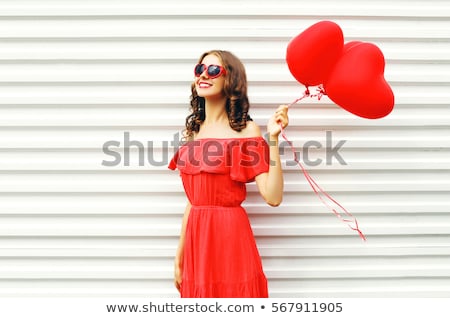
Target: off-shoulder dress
[[221, 258]]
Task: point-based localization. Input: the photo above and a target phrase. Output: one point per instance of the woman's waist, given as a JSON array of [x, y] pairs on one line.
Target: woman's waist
[[216, 206]]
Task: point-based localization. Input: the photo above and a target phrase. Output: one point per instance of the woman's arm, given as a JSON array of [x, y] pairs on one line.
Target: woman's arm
[[271, 184], [180, 250]]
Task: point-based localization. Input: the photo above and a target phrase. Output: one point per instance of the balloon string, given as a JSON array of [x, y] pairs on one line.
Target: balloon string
[[350, 220], [307, 93]]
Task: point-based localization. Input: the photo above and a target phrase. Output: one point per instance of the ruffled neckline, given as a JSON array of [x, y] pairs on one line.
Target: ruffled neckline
[[227, 138], [222, 157]]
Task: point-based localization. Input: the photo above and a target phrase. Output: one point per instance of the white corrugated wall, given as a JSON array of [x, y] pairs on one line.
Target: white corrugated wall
[[77, 74]]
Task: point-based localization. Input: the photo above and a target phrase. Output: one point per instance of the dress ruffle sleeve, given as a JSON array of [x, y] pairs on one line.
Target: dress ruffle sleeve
[[251, 160], [242, 158], [173, 162]]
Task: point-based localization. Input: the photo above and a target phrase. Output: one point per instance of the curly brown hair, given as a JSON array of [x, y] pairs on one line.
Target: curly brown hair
[[235, 89]]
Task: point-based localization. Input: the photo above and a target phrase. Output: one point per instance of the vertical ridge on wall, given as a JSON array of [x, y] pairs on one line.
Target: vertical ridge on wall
[[77, 76]]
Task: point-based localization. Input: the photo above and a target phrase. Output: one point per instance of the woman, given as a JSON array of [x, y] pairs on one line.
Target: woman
[[217, 254]]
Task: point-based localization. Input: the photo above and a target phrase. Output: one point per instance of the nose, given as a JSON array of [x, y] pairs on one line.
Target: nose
[[205, 73]]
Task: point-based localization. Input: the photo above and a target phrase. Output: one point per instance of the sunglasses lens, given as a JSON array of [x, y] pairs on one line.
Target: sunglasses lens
[[214, 70], [199, 69]]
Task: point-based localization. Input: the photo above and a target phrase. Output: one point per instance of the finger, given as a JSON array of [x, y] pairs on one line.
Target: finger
[[282, 121], [281, 112], [282, 109], [279, 109], [281, 117], [278, 119]]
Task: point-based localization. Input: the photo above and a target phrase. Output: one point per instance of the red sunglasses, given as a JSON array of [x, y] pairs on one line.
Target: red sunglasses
[[213, 71]]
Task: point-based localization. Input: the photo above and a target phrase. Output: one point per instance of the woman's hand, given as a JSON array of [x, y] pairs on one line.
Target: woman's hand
[[178, 274], [279, 117]]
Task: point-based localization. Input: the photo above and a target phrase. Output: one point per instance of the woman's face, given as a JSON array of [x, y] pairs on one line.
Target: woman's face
[[210, 87]]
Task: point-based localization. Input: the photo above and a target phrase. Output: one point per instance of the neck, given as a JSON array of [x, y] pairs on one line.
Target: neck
[[215, 110]]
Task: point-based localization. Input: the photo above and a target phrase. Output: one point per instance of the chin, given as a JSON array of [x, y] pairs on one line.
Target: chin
[[208, 94]]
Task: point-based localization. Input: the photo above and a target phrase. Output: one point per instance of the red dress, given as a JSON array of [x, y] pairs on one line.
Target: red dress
[[221, 259]]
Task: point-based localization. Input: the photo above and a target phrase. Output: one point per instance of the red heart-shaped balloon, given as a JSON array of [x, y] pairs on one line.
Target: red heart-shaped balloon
[[357, 81], [312, 54]]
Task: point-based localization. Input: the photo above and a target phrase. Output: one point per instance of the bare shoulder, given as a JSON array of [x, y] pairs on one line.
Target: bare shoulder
[[251, 130]]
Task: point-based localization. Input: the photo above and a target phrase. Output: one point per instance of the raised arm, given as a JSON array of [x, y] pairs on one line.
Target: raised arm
[[271, 183]]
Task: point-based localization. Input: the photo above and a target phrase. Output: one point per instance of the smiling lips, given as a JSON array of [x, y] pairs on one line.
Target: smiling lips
[[204, 85]]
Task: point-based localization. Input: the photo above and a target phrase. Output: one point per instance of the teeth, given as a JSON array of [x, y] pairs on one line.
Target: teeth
[[204, 85]]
